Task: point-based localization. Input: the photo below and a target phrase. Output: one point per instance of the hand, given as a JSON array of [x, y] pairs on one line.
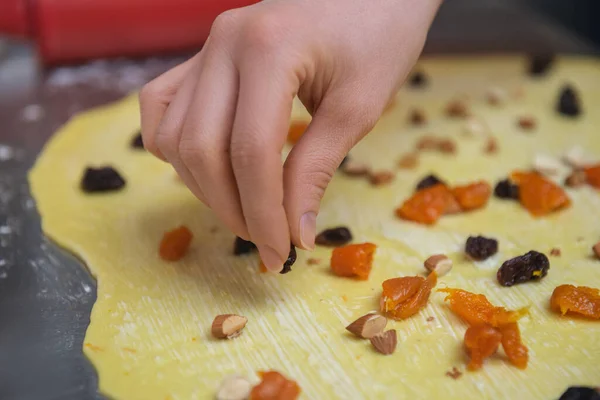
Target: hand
[[221, 118]]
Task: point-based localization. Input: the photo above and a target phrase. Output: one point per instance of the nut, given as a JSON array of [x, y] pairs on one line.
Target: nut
[[234, 387], [428, 143], [596, 249], [408, 161], [447, 146], [527, 122], [354, 168], [367, 326], [491, 146], [379, 178], [545, 164], [575, 157], [474, 127], [457, 109], [417, 117], [576, 178], [385, 343], [555, 252], [438, 263], [496, 96], [228, 326]]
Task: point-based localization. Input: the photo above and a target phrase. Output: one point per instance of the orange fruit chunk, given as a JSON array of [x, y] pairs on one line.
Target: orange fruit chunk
[[472, 196], [297, 129], [475, 309], [576, 300], [175, 244], [274, 386], [481, 341], [592, 175], [515, 350], [353, 260], [539, 195], [428, 205], [404, 297]]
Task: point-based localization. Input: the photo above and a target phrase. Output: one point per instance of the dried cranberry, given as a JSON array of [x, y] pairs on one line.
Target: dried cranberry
[[568, 102], [479, 247], [103, 179], [287, 266], [334, 237], [532, 266], [580, 393], [241, 246], [137, 142], [417, 79], [428, 181], [505, 189], [539, 64]]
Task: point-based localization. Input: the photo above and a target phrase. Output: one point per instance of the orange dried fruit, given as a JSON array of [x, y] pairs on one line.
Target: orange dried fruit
[[472, 196], [428, 205], [475, 309], [297, 129], [354, 260], [539, 195], [404, 297], [175, 244], [515, 350], [274, 386], [576, 300], [481, 341], [592, 175]]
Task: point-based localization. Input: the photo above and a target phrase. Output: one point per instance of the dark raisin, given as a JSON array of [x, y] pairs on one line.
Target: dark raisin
[[417, 79], [103, 179], [580, 393], [568, 102], [479, 247], [428, 181], [137, 142], [344, 161], [334, 237], [505, 189], [532, 266], [241, 246], [539, 64], [287, 266]]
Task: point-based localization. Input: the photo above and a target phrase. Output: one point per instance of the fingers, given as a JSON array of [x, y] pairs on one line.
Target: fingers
[[259, 130]]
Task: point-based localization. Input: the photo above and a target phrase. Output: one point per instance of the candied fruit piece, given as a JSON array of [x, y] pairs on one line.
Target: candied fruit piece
[[592, 175], [297, 129], [404, 297], [334, 237], [428, 205], [472, 196], [515, 350], [539, 195], [479, 247], [274, 386], [475, 309], [175, 244], [481, 342], [532, 266], [353, 260], [576, 300]]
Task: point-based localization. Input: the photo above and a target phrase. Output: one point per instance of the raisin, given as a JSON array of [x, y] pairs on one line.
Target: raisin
[[137, 142], [528, 267], [505, 189], [568, 102], [479, 247], [580, 393], [344, 161], [539, 64], [241, 246], [428, 181], [418, 79], [287, 266], [334, 237], [103, 179]]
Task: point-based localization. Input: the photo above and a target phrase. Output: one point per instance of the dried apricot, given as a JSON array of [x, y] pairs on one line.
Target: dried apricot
[[481, 341], [274, 386], [428, 205], [539, 195], [515, 350], [175, 244], [577, 300], [297, 129], [475, 309], [592, 175], [472, 196], [404, 297], [353, 260]]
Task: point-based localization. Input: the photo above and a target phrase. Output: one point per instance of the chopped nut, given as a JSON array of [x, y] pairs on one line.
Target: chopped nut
[[354, 168], [491, 146], [555, 252], [496, 96], [474, 126], [228, 326], [417, 117], [385, 343], [527, 122], [457, 109], [428, 143], [367, 326], [454, 373], [596, 249], [545, 164], [575, 157], [234, 387], [313, 261], [438, 263], [447, 146], [408, 161], [379, 178], [429, 319], [576, 178]]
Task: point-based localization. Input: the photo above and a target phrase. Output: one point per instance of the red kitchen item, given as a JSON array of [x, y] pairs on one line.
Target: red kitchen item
[[75, 30]]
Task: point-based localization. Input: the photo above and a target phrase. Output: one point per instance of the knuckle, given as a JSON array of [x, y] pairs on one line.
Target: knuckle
[[149, 92], [224, 24], [165, 141], [246, 154], [190, 152], [263, 33]]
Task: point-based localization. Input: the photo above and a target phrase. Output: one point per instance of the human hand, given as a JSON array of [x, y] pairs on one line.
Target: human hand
[[221, 118]]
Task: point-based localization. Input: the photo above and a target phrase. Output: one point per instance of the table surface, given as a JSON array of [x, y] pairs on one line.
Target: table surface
[[45, 293]]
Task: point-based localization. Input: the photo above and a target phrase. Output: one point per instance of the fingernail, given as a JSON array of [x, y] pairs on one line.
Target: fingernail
[[308, 230], [270, 258]]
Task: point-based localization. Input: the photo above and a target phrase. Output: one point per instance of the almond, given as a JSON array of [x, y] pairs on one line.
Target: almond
[[439, 263], [527, 122], [228, 326], [408, 161], [576, 178], [457, 109], [379, 178], [491, 146], [546, 165], [428, 143], [474, 127], [417, 117], [496, 96], [575, 157], [385, 343], [447, 146], [367, 326], [596, 249], [354, 168], [234, 387]]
